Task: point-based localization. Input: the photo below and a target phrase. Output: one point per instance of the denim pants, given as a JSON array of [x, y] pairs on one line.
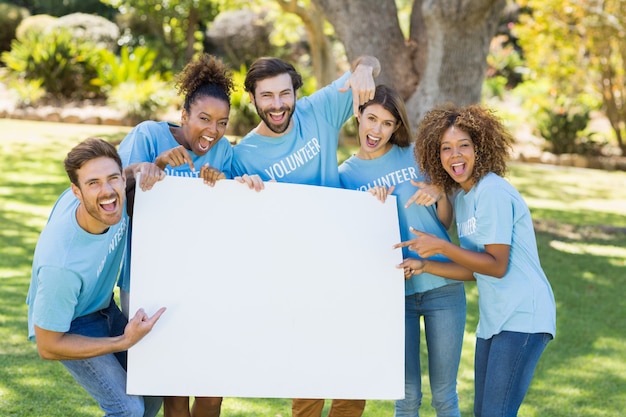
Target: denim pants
[[503, 368], [104, 376], [444, 311]]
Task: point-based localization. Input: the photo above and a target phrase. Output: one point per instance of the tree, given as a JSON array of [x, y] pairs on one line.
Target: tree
[[322, 56], [444, 57], [579, 45], [174, 24]]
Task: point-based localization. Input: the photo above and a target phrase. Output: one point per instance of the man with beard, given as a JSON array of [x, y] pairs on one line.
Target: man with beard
[[71, 312], [298, 144]]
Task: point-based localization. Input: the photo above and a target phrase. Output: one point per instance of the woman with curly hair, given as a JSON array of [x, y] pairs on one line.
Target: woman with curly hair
[[193, 148], [465, 150], [179, 149], [385, 165]]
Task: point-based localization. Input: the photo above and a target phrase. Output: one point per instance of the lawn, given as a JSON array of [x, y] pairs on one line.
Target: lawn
[[580, 217]]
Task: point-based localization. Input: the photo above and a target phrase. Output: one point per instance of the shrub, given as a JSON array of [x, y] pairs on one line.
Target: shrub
[[28, 92], [243, 117], [64, 64], [141, 100], [10, 18], [561, 127], [136, 66], [39, 23], [90, 28]]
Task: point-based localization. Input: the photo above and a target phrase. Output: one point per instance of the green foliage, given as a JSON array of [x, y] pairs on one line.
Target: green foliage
[[28, 92], [504, 64], [561, 127], [65, 65], [132, 83], [65, 7], [562, 121], [579, 47], [243, 116], [136, 66], [142, 100], [165, 26], [494, 86], [10, 18]]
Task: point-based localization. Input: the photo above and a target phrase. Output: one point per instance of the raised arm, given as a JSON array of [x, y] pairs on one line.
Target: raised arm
[[364, 69]]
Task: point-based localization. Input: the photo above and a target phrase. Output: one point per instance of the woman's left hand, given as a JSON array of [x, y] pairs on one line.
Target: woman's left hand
[[412, 267], [211, 175], [381, 192]]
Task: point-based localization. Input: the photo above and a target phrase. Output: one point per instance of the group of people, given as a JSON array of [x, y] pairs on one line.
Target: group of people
[[455, 165]]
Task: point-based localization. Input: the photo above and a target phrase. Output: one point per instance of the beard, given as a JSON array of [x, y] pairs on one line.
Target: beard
[[111, 218], [276, 128]]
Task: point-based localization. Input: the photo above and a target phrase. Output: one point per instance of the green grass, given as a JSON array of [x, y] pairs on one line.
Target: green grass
[[581, 222]]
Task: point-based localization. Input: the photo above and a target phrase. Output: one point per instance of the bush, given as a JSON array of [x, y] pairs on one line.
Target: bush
[[243, 117], [39, 23], [66, 66], [133, 84], [562, 126], [141, 100], [136, 66], [10, 18], [28, 92], [90, 28]]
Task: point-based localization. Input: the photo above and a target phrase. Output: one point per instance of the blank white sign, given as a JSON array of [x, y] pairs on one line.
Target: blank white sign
[[291, 292]]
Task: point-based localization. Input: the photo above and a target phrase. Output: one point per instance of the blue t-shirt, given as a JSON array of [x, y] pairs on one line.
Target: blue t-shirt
[[74, 271], [146, 141], [493, 212], [307, 154], [397, 168]]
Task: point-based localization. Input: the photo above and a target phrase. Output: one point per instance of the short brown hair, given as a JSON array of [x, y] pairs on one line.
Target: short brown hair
[[85, 151], [267, 67]]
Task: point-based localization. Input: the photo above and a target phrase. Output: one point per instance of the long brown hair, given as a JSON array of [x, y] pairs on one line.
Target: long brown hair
[[391, 101]]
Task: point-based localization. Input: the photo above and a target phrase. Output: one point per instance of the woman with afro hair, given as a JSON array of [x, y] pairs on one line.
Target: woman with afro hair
[[464, 151], [194, 148]]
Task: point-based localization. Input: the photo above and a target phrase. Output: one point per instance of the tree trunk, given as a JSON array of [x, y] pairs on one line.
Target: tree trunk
[[193, 20], [443, 61], [321, 49]]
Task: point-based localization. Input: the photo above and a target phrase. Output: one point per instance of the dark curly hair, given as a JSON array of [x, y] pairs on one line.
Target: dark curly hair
[[492, 142], [207, 76]]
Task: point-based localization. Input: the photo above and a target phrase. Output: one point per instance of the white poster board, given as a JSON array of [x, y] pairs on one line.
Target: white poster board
[[291, 292]]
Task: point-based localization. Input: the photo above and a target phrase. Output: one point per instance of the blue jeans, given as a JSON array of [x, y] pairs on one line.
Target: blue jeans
[[503, 368], [104, 377], [443, 310]]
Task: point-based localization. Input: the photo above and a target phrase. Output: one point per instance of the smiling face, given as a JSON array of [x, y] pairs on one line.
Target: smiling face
[[204, 124], [275, 102], [101, 191], [376, 126], [458, 156]]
